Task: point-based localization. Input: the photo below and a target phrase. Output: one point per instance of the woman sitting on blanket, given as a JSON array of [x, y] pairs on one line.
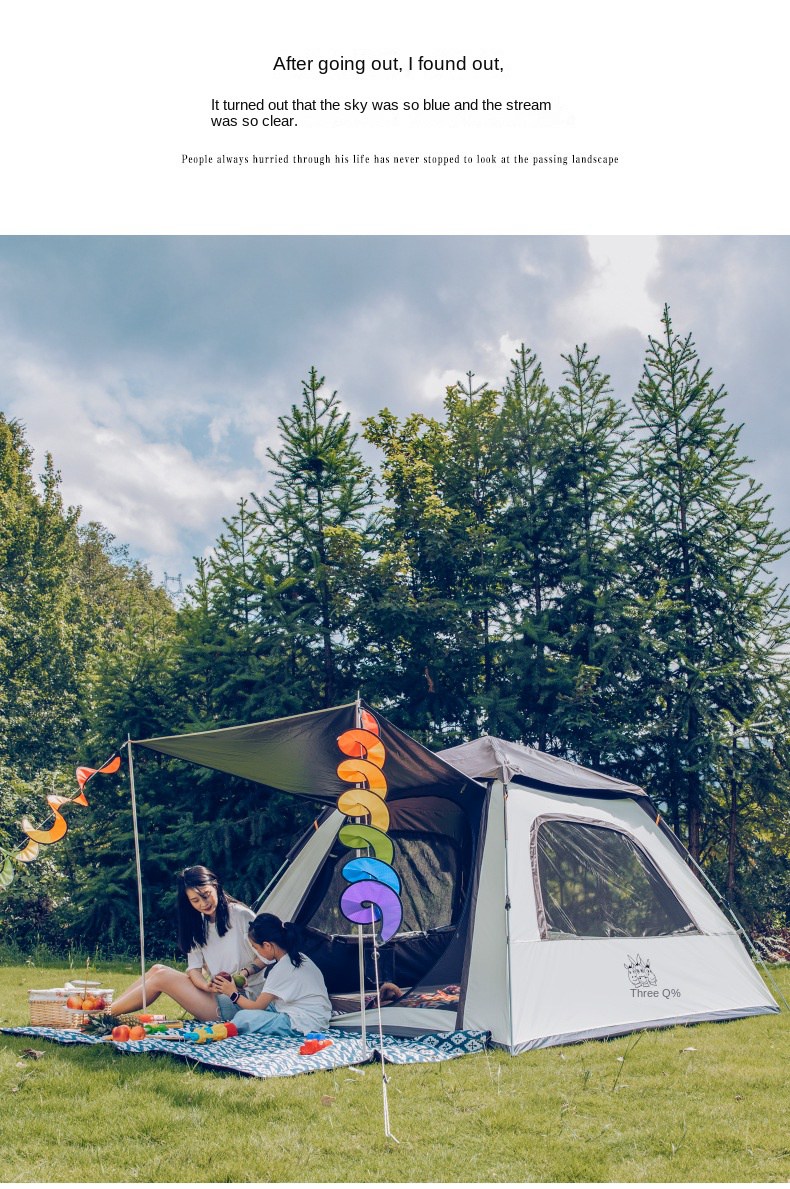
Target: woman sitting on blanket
[[212, 931], [294, 997]]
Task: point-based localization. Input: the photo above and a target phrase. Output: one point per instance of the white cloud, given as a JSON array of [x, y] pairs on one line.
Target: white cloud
[[116, 460], [617, 293], [154, 370]]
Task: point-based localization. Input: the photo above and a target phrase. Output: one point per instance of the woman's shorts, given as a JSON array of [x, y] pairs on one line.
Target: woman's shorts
[[270, 1022], [226, 1009]]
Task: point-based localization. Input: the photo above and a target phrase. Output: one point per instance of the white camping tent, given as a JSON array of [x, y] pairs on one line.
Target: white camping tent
[[585, 919], [541, 901], [605, 927]]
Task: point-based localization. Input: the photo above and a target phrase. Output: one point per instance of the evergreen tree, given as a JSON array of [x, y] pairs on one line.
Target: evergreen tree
[[534, 531], [437, 589], [472, 480], [317, 516], [703, 546], [595, 622]]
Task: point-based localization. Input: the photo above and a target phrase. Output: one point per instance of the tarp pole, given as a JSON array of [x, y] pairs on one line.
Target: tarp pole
[[139, 869]]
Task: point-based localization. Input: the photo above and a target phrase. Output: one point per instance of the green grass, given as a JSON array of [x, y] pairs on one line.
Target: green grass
[[708, 1103]]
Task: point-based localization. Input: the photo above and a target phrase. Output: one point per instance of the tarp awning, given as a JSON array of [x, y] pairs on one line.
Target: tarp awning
[[299, 755]]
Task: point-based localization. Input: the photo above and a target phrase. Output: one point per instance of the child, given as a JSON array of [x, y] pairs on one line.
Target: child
[[294, 998]]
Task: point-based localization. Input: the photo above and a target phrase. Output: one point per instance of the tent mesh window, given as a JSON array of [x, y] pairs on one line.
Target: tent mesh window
[[595, 881], [430, 886]]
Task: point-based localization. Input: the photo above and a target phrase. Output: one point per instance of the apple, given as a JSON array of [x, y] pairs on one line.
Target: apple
[[121, 1032], [74, 1002], [137, 1032]]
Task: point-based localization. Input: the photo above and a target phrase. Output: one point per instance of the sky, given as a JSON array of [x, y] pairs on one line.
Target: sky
[[154, 369]]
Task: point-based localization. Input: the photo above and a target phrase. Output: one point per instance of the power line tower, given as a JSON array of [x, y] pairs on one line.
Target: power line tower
[[174, 587]]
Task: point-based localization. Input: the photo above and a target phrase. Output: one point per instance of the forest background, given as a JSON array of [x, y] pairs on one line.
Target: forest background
[[588, 574]]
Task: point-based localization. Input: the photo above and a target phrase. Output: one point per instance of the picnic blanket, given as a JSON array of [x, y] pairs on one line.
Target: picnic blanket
[[278, 1056]]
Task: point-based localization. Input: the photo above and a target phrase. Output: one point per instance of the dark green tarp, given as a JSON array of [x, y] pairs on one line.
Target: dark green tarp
[[299, 755]]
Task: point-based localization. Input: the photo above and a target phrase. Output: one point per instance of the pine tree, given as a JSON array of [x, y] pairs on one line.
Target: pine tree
[[437, 588], [596, 624], [472, 480], [533, 530], [317, 514], [703, 547]]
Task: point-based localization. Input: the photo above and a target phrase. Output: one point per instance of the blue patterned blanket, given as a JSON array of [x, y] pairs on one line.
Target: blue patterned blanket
[[271, 1057]]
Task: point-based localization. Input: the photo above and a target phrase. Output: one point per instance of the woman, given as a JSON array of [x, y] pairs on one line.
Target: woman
[[294, 999], [212, 931]]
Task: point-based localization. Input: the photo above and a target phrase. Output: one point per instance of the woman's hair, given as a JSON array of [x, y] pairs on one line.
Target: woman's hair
[[192, 925], [286, 935]]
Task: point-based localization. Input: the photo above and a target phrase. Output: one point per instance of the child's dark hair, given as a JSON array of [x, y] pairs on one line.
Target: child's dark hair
[[192, 925], [285, 934]]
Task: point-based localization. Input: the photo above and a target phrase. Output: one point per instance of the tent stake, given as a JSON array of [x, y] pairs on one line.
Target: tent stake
[[139, 868]]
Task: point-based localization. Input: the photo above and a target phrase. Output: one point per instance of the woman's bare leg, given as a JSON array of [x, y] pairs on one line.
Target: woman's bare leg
[[164, 980]]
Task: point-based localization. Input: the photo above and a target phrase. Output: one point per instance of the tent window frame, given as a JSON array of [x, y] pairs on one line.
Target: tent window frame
[[598, 823]]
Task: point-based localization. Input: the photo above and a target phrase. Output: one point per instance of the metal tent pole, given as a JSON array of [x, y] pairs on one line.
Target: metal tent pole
[[508, 959], [139, 868]]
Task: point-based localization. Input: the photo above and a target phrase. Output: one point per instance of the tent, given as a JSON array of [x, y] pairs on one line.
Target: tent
[[542, 901]]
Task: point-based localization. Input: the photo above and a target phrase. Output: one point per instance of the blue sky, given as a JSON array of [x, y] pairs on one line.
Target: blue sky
[[154, 368]]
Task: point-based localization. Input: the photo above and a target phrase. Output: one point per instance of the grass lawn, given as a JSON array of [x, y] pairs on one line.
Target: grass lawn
[[703, 1103]]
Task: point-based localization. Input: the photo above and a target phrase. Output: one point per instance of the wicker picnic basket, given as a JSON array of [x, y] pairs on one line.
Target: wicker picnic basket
[[48, 1008]]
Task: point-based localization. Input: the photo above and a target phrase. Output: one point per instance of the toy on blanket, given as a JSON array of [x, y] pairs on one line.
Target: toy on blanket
[[209, 1032], [314, 1042]]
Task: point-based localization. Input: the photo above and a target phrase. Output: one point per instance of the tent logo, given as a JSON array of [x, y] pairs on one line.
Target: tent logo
[[639, 972]]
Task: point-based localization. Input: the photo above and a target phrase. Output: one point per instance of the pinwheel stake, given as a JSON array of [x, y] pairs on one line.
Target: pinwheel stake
[[373, 892], [138, 866]]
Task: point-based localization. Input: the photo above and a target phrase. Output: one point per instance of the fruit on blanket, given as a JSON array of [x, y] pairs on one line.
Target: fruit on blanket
[[137, 1032], [121, 1032]]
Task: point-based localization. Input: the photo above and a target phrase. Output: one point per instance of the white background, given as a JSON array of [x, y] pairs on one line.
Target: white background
[[100, 103]]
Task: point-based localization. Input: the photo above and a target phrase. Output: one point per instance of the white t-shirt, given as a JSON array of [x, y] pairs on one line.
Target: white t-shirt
[[300, 992], [229, 952]]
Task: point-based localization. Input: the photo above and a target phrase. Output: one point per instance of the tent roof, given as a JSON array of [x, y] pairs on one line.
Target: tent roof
[[496, 759], [299, 755]]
